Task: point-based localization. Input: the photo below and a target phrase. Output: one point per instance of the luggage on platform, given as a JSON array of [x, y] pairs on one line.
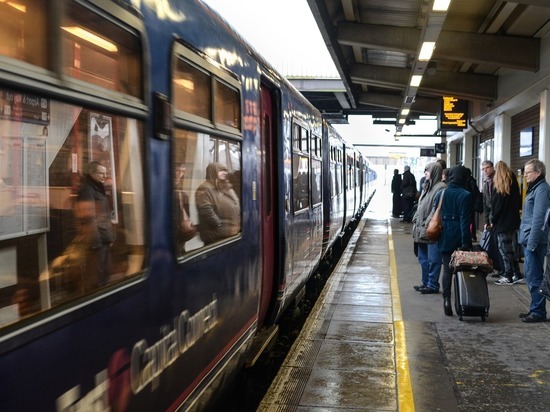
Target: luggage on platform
[[471, 294]]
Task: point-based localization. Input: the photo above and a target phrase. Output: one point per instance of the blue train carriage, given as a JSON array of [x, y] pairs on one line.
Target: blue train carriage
[[166, 316], [156, 105]]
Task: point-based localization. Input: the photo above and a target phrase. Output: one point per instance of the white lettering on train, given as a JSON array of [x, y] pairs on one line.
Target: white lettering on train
[[147, 361]]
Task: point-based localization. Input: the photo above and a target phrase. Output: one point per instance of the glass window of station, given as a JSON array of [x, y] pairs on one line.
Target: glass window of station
[[207, 144], [71, 176]]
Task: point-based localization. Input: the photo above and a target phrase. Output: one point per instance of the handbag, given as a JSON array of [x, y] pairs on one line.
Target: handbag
[[464, 260], [435, 225]]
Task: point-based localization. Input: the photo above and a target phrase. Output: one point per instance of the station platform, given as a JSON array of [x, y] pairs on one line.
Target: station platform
[[373, 343]]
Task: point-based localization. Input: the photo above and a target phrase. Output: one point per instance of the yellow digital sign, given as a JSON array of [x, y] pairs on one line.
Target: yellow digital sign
[[454, 113]]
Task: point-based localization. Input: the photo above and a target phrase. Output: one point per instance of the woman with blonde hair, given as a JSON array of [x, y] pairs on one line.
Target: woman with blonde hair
[[505, 219]]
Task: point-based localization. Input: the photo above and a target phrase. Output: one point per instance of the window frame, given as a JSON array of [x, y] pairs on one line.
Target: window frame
[[214, 130]]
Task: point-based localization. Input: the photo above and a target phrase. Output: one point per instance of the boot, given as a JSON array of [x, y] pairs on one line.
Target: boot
[[447, 306]]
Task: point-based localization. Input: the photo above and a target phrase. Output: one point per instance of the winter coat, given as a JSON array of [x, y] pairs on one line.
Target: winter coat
[[537, 201], [102, 229], [218, 207], [426, 206], [456, 212], [505, 209]]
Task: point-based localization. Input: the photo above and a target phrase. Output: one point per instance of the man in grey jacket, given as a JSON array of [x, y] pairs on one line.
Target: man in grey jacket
[[534, 238]]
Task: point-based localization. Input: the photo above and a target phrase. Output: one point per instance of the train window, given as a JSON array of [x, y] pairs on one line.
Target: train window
[[207, 190], [316, 171], [71, 202], [300, 179], [192, 90], [100, 52], [24, 34], [300, 168], [207, 167], [228, 107]]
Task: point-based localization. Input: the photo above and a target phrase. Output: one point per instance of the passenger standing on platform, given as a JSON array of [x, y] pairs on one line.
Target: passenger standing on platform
[[533, 238], [429, 256], [456, 210], [476, 195], [408, 193], [444, 175], [505, 207], [396, 190], [489, 172]]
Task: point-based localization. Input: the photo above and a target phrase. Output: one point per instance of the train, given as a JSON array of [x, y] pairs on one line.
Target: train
[[226, 193]]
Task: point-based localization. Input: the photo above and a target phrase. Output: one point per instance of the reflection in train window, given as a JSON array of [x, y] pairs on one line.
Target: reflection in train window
[[207, 190], [100, 52], [24, 34], [206, 207], [71, 203]]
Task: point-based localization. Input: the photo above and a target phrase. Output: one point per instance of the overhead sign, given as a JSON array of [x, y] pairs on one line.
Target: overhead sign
[[427, 152], [454, 114]]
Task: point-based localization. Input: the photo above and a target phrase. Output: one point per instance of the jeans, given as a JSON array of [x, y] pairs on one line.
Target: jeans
[[430, 262], [447, 277], [534, 270], [506, 247]]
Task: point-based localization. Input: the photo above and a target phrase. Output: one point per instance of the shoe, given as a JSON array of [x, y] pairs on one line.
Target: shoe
[[417, 288], [518, 279], [524, 315], [447, 308], [427, 290], [504, 281], [533, 319]]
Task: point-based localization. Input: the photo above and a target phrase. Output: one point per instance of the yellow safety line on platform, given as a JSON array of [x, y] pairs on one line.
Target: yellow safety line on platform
[[404, 387]]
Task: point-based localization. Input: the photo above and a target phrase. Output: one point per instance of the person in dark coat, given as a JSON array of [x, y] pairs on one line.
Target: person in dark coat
[[456, 210], [408, 194], [94, 217], [218, 206], [505, 218], [396, 190]]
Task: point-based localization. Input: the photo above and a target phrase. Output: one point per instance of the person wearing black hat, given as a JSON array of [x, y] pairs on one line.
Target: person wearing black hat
[[456, 211]]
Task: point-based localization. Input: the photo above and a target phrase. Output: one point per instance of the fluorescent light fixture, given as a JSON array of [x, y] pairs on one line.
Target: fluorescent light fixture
[[426, 51], [405, 112], [441, 5], [402, 121], [91, 38], [415, 80], [185, 83]]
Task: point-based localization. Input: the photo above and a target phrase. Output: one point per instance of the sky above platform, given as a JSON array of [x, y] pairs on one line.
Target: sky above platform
[[285, 33]]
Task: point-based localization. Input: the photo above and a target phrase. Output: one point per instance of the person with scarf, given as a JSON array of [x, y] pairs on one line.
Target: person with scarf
[[505, 207], [533, 238], [456, 210], [93, 213], [218, 206], [429, 256]]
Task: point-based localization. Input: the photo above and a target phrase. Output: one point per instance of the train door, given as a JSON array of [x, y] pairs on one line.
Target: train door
[[268, 198]]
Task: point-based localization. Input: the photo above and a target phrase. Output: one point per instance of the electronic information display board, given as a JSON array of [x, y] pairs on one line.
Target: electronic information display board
[[454, 114]]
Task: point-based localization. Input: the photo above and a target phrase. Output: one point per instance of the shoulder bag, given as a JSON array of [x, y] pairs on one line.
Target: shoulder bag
[[435, 226]]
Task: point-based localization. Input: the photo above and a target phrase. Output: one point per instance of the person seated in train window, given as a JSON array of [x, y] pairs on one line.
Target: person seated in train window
[[218, 206], [186, 230]]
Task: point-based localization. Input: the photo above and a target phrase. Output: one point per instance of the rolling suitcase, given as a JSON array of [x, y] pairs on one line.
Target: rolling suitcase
[[471, 294]]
